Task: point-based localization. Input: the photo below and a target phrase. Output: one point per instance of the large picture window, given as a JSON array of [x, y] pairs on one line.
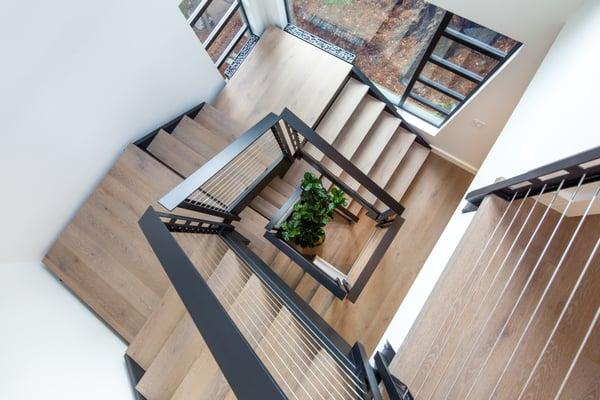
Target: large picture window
[[220, 25], [428, 60]]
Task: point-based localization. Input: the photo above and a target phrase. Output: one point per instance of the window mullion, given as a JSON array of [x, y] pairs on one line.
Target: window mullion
[[432, 44], [221, 24], [195, 16], [238, 36]]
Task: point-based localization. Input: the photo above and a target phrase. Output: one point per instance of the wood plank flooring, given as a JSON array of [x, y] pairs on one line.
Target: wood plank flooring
[[432, 198], [282, 71]]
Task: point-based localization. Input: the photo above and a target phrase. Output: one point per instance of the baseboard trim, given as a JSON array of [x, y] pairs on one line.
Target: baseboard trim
[[449, 157]]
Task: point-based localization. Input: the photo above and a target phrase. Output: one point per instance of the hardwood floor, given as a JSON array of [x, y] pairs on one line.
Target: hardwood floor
[[282, 71], [432, 198]]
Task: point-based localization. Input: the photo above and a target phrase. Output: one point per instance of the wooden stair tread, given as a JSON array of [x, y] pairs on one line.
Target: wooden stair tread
[[317, 384], [373, 147], [220, 123], [93, 290], [342, 109], [361, 122], [307, 287], [180, 350], [366, 253], [175, 154], [104, 252], [185, 344], [264, 207], [406, 172], [356, 130], [252, 226], [157, 329], [282, 187], [387, 163], [198, 138], [274, 197]]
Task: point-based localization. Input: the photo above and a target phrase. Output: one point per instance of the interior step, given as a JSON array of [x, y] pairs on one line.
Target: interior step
[[272, 198], [198, 138], [176, 154], [252, 227], [165, 317], [342, 109], [373, 147], [355, 130], [102, 255], [185, 344], [220, 123], [387, 164], [406, 172]]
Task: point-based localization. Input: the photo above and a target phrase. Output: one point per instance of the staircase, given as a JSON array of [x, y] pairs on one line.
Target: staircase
[[104, 258]]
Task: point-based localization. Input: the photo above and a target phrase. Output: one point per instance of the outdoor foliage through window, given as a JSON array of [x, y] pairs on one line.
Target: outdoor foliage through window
[[390, 38]]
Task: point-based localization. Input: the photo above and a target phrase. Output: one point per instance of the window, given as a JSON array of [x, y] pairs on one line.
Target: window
[[430, 59], [220, 25]]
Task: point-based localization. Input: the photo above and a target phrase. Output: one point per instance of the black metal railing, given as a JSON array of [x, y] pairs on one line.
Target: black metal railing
[[222, 310], [228, 182], [231, 179], [395, 389], [564, 173]]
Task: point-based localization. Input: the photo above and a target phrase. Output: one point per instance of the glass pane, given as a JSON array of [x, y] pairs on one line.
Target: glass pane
[[436, 97], [422, 111], [448, 79], [211, 17], [388, 37], [187, 7], [234, 52], [226, 36], [485, 35], [464, 56]]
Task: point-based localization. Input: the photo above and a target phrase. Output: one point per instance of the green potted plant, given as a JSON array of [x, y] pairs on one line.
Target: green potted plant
[[314, 210]]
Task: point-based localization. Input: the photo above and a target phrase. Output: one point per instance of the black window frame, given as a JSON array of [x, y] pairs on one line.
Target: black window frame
[[235, 6], [444, 31]]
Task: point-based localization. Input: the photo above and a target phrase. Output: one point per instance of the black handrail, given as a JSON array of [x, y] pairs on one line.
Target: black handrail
[[569, 169], [180, 223], [366, 371], [335, 287], [333, 342], [390, 382], [330, 152], [178, 195], [241, 366]]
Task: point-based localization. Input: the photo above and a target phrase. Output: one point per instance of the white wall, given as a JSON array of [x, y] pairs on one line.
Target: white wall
[[535, 23], [553, 120], [78, 81], [51, 346]]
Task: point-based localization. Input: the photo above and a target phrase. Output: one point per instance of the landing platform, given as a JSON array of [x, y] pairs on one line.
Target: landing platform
[[283, 71]]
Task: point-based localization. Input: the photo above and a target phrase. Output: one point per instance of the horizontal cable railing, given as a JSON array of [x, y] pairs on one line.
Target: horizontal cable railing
[[265, 346], [229, 180], [563, 173]]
